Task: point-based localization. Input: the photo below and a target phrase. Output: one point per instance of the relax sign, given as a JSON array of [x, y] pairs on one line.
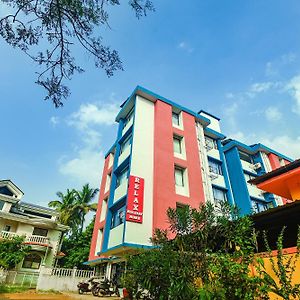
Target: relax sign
[[135, 200]]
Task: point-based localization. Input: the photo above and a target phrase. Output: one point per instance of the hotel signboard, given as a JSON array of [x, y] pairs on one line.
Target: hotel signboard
[[135, 200]]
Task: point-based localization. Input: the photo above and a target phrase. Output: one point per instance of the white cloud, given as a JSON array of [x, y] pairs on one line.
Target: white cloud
[[230, 114], [85, 165], [287, 145], [186, 47], [273, 114], [229, 95], [288, 58], [293, 86], [260, 87], [93, 114], [54, 120], [270, 70]]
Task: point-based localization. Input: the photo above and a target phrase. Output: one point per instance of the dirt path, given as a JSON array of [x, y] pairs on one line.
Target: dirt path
[[32, 295]]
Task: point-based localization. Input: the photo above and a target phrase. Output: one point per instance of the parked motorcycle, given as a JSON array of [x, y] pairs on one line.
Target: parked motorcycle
[[88, 286], [107, 288]]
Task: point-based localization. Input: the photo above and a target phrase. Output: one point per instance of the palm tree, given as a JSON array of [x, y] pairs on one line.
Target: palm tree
[[83, 202], [66, 206]]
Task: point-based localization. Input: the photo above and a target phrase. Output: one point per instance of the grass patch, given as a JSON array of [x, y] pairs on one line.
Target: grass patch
[[51, 291], [12, 288]]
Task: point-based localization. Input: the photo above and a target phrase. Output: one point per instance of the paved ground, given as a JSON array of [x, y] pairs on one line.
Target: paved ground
[[45, 296]]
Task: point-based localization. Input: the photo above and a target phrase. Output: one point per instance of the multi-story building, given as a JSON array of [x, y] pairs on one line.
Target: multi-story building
[[166, 155], [38, 225]]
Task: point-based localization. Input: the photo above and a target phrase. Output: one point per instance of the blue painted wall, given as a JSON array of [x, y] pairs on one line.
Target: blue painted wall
[[237, 180]]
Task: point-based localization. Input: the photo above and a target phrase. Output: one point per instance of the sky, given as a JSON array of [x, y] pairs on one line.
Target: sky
[[239, 60]]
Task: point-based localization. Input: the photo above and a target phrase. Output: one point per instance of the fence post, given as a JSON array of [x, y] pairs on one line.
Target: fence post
[[40, 278], [74, 272]]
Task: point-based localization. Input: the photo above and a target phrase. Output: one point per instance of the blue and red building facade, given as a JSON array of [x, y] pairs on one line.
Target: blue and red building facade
[[166, 155]]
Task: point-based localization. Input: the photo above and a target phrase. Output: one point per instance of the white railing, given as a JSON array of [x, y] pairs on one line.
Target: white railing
[[37, 239], [62, 272], [7, 234], [28, 237]]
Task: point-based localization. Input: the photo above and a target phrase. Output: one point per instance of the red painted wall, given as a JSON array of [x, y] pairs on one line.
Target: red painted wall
[[275, 164], [99, 225], [164, 161], [274, 161]]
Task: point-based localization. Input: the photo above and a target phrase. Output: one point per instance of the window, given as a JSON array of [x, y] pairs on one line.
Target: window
[[249, 176], [118, 217], [32, 261], [210, 143], [7, 228], [128, 117], [215, 167], [6, 191], [40, 231], [175, 119], [1, 204], [281, 161], [125, 144], [219, 195], [245, 157], [179, 176], [177, 144], [122, 176], [259, 206]]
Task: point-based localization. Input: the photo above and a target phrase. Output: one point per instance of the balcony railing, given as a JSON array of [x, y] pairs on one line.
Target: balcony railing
[[35, 239]]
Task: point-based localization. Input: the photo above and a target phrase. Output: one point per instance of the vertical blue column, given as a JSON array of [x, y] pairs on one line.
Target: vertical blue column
[[237, 181], [112, 188], [225, 173]]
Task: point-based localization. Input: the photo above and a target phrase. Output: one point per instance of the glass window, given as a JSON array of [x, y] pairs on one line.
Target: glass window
[[177, 144], [6, 191], [215, 167], [125, 144], [219, 195], [210, 143], [122, 176], [175, 119], [40, 231], [259, 206], [118, 217], [1, 204], [245, 157], [32, 261], [7, 228], [179, 173]]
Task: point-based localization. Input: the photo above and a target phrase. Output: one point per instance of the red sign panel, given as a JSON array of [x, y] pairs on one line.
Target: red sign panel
[[135, 200]]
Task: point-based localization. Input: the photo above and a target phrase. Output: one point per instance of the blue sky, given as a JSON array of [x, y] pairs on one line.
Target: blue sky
[[239, 60]]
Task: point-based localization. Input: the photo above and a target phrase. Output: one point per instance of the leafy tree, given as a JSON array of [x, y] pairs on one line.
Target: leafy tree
[[66, 206], [83, 205], [77, 247], [61, 25], [281, 280], [12, 252], [205, 254]]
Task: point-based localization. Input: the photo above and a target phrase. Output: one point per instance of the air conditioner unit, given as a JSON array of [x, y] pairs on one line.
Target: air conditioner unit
[[257, 166]]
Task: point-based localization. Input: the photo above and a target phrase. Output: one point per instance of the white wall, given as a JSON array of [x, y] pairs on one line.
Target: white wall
[[121, 191], [116, 236], [208, 193], [142, 166], [214, 123]]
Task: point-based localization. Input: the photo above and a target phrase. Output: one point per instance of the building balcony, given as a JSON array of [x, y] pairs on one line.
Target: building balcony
[[41, 241]]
